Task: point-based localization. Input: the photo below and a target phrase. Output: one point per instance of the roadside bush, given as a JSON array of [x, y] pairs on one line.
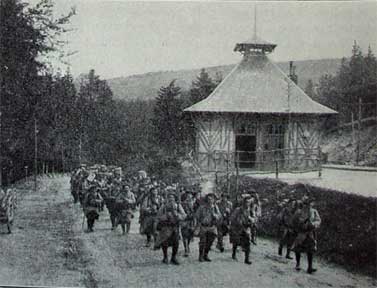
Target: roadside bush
[[347, 234]]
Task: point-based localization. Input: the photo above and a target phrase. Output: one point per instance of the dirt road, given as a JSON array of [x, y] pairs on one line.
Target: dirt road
[[49, 247]]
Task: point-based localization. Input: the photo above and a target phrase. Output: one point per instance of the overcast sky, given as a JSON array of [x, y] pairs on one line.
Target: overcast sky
[[119, 38]]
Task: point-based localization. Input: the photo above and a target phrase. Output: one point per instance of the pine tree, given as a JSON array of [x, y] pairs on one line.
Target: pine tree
[[97, 120], [370, 96], [201, 87], [167, 117], [310, 89]]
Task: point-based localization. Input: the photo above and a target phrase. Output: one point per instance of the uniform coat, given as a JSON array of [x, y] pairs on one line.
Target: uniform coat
[[305, 222]]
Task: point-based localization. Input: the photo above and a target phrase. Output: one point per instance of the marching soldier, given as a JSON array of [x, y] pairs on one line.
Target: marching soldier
[[169, 216], [92, 203], [143, 191], [114, 193], [241, 223], [188, 225], [207, 216], [305, 222], [83, 186], [285, 221], [109, 192], [75, 183], [117, 177], [257, 212], [124, 209], [149, 209], [225, 207]]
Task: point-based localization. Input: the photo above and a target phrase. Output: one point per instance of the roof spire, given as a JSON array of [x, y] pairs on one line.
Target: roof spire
[[254, 46]]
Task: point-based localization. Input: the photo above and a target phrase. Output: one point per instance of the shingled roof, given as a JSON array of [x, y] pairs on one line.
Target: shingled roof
[[256, 85]]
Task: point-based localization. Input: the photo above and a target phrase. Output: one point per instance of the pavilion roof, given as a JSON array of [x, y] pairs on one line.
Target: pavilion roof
[[257, 85]]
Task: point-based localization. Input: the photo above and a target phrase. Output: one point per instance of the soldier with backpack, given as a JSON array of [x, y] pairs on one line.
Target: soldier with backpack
[[124, 204], [169, 217], [92, 203]]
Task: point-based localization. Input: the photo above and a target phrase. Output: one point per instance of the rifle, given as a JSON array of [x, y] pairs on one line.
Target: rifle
[[83, 222], [178, 193]]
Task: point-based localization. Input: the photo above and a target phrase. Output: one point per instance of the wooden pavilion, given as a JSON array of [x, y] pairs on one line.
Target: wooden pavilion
[[258, 118]]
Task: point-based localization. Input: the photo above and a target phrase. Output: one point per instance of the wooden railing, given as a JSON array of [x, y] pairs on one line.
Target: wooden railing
[[272, 161]]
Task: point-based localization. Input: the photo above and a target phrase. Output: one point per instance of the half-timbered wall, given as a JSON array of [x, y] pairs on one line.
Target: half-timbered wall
[[214, 138], [303, 141], [293, 142]]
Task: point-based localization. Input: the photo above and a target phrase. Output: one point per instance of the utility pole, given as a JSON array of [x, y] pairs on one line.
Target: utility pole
[[80, 141], [1, 134], [63, 164], [35, 152], [353, 136], [358, 132], [1, 110]]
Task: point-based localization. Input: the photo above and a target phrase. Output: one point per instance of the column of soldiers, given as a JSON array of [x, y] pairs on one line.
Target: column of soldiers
[[299, 221], [170, 213], [97, 187]]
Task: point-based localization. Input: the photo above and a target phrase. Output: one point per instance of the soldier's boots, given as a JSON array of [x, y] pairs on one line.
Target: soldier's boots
[[165, 252], [310, 264], [298, 258], [90, 223], [247, 258], [205, 257], [280, 250], [234, 253], [185, 244], [174, 260], [288, 256], [149, 238], [112, 219], [201, 253], [311, 270], [220, 246]]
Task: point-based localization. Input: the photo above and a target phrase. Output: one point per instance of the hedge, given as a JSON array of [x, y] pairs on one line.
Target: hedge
[[347, 235]]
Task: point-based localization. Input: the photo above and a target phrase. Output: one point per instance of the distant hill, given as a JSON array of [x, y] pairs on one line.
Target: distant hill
[[146, 86]]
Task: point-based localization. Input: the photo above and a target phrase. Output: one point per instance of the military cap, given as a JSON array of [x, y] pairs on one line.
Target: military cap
[[184, 195], [172, 193], [92, 188], [142, 173], [118, 169], [152, 189], [210, 195], [305, 200], [252, 191]]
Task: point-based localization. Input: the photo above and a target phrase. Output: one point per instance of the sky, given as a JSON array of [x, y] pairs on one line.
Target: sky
[[121, 38]]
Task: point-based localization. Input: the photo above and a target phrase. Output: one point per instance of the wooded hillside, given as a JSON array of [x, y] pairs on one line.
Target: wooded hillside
[[146, 86]]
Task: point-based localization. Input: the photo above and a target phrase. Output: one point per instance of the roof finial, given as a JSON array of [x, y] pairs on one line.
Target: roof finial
[[255, 21]]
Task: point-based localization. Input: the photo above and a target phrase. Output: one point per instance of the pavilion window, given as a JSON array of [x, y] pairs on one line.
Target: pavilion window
[[276, 136], [246, 128]]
